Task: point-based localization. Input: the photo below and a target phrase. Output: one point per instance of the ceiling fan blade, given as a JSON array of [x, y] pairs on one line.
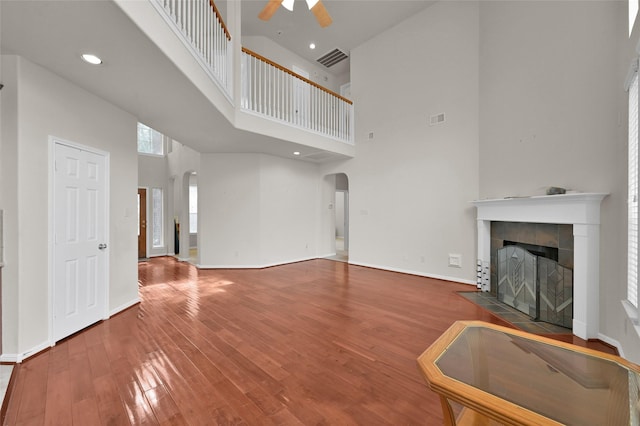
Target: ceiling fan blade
[[323, 17], [269, 9]]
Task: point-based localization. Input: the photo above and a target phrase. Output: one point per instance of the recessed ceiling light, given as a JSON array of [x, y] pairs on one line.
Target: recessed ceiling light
[[296, 153], [312, 46], [92, 59]]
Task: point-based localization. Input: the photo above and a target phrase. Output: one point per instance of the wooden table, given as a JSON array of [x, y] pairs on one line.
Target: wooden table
[[510, 377]]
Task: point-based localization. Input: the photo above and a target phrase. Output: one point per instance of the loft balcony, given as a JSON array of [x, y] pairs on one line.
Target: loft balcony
[[256, 95], [177, 67]]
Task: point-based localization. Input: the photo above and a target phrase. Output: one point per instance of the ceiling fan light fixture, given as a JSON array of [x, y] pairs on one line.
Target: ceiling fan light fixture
[[311, 3], [288, 4]]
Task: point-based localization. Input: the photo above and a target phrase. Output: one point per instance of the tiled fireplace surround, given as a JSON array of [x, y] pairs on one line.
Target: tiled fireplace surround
[[580, 212]]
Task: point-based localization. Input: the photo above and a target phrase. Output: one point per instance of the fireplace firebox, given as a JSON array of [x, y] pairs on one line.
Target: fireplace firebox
[[533, 282]]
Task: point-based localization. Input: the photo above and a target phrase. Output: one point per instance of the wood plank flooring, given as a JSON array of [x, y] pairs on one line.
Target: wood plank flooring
[[313, 343]]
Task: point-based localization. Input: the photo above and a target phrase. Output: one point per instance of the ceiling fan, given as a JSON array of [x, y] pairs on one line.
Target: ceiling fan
[[315, 6]]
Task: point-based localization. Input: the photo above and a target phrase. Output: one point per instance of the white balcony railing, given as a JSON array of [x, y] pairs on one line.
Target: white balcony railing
[[201, 28], [268, 89], [273, 91]]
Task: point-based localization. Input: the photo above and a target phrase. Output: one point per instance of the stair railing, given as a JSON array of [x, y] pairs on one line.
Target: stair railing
[[202, 29]]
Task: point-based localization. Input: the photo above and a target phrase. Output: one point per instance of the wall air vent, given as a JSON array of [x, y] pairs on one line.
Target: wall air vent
[[332, 58], [436, 119]]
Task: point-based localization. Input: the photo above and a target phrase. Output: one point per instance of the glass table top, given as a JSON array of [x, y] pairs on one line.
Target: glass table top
[[570, 387]]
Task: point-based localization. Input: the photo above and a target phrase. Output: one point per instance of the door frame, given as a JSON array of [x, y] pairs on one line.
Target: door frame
[[53, 141], [146, 221]]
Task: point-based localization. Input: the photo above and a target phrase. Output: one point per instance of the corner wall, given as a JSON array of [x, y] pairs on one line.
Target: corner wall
[[410, 183], [50, 106], [552, 107], [260, 210]]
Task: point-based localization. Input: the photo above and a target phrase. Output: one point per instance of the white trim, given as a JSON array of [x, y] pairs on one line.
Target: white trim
[[53, 140], [633, 68], [264, 265], [608, 340], [24, 355], [148, 154], [124, 306], [146, 234], [417, 273], [323, 256], [9, 358], [159, 255], [632, 315], [227, 92]]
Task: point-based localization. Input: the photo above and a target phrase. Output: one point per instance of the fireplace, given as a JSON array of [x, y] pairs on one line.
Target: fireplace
[[581, 212], [529, 277]]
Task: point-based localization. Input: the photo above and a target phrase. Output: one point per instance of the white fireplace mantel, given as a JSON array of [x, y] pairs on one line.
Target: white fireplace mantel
[[582, 210]]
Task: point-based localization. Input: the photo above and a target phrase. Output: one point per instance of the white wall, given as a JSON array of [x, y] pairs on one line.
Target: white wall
[[327, 226], [260, 210], [551, 109], [410, 186], [339, 209], [289, 209], [228, 196], [9, 202], [48, 105]]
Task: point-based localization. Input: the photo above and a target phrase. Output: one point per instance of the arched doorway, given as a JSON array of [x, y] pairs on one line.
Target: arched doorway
[[340, 228]]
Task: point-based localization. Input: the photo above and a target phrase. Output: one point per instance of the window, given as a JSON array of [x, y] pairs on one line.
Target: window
[[156, 217], [633, 13], [150, 141], [632, 238], [193, 209]]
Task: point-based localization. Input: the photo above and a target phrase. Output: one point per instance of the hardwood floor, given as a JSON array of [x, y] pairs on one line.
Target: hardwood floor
[[317, 342]]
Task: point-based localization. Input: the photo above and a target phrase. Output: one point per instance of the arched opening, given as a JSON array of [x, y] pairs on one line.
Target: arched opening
[[340, 219], [187, 219]]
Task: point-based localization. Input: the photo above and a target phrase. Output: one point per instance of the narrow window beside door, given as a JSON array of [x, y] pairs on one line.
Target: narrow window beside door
[[157, 217]]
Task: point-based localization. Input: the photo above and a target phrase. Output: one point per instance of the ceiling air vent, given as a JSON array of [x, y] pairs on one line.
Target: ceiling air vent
[[332, 58]]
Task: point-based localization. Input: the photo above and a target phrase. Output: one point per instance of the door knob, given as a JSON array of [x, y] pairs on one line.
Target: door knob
[[102, 246]]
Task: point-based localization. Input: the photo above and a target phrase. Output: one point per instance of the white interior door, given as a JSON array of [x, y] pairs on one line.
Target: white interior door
[[80, 239]]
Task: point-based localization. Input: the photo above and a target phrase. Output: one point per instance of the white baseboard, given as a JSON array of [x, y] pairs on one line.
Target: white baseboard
[[9, 358], [418, 273], [18, 358], [613, 342], [322, 256], [261, 266], [124, 306]]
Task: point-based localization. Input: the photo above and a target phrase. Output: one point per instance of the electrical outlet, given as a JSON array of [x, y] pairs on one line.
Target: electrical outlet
[[455, 260]]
